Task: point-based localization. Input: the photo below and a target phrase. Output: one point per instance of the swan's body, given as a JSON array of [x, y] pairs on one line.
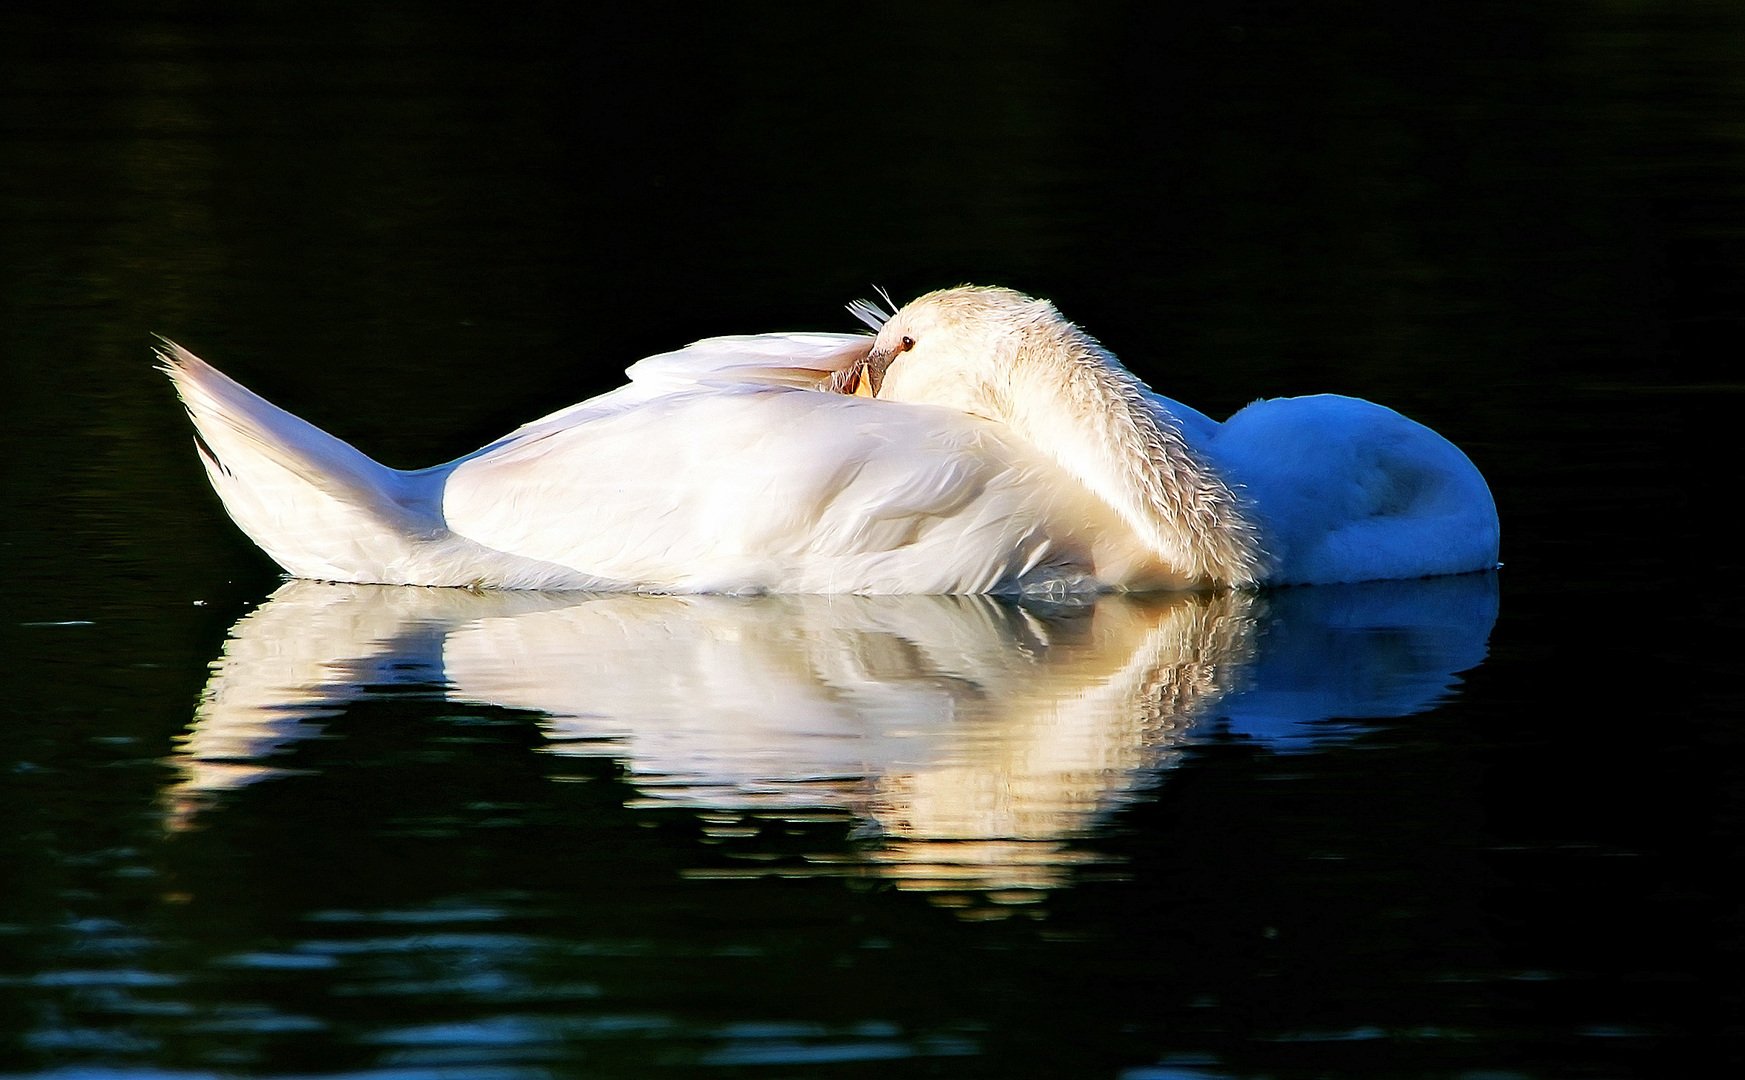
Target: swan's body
[[1004, 450]]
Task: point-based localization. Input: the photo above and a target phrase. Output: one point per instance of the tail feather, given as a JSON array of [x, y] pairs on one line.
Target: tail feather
[[318, 506]]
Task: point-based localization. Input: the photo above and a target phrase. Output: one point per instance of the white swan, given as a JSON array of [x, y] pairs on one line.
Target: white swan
[[979, 442]]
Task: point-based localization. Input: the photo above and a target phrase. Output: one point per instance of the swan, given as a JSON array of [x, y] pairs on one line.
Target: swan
[[977, 441]]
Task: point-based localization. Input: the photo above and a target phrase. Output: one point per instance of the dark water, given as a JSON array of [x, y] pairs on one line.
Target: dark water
[[1487, 827]]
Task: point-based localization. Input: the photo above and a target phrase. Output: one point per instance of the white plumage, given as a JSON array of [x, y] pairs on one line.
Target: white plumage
[[1003, 450]]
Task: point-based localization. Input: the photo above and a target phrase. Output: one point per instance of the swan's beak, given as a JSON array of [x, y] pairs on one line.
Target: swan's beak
[[872, 369]]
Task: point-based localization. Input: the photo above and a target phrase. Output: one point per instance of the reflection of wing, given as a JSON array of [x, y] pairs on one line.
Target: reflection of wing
[[296, 659], [1002, 729], [290, 663], [940, 700]]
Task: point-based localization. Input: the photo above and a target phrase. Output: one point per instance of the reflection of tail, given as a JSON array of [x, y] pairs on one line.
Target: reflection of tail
[[319, 507]]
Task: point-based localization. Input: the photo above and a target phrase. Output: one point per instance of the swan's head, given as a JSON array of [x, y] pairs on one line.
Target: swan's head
[[958, 348], [1014, 359]]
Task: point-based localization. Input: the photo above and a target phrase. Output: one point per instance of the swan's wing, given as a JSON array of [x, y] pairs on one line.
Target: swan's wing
[[802, 361], [750, 487]]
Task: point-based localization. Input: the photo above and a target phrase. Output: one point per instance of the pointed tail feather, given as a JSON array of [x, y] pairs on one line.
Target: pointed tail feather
[[317, 505]]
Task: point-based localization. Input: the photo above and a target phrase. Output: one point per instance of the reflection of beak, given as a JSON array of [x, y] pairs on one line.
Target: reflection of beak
[[872, 369]]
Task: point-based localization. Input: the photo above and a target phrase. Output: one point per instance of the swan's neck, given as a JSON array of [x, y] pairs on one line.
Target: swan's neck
[[1072, 399]]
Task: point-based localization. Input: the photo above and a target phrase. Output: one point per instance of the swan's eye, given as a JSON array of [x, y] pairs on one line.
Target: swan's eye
[[908, 343]]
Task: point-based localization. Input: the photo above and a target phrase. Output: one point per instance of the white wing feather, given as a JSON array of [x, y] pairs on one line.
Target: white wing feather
[[805, 361], [706, 491]]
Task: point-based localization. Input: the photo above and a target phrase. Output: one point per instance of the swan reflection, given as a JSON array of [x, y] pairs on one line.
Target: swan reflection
[[973, 740]]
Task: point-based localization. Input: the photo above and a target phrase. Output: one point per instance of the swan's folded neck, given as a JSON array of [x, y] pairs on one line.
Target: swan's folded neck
[[1073, 400]]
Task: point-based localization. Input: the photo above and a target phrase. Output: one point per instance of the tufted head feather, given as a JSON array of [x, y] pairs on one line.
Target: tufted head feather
[[872, 314]]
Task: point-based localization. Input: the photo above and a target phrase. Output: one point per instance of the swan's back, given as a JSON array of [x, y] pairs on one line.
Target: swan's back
[[1348, 490]]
